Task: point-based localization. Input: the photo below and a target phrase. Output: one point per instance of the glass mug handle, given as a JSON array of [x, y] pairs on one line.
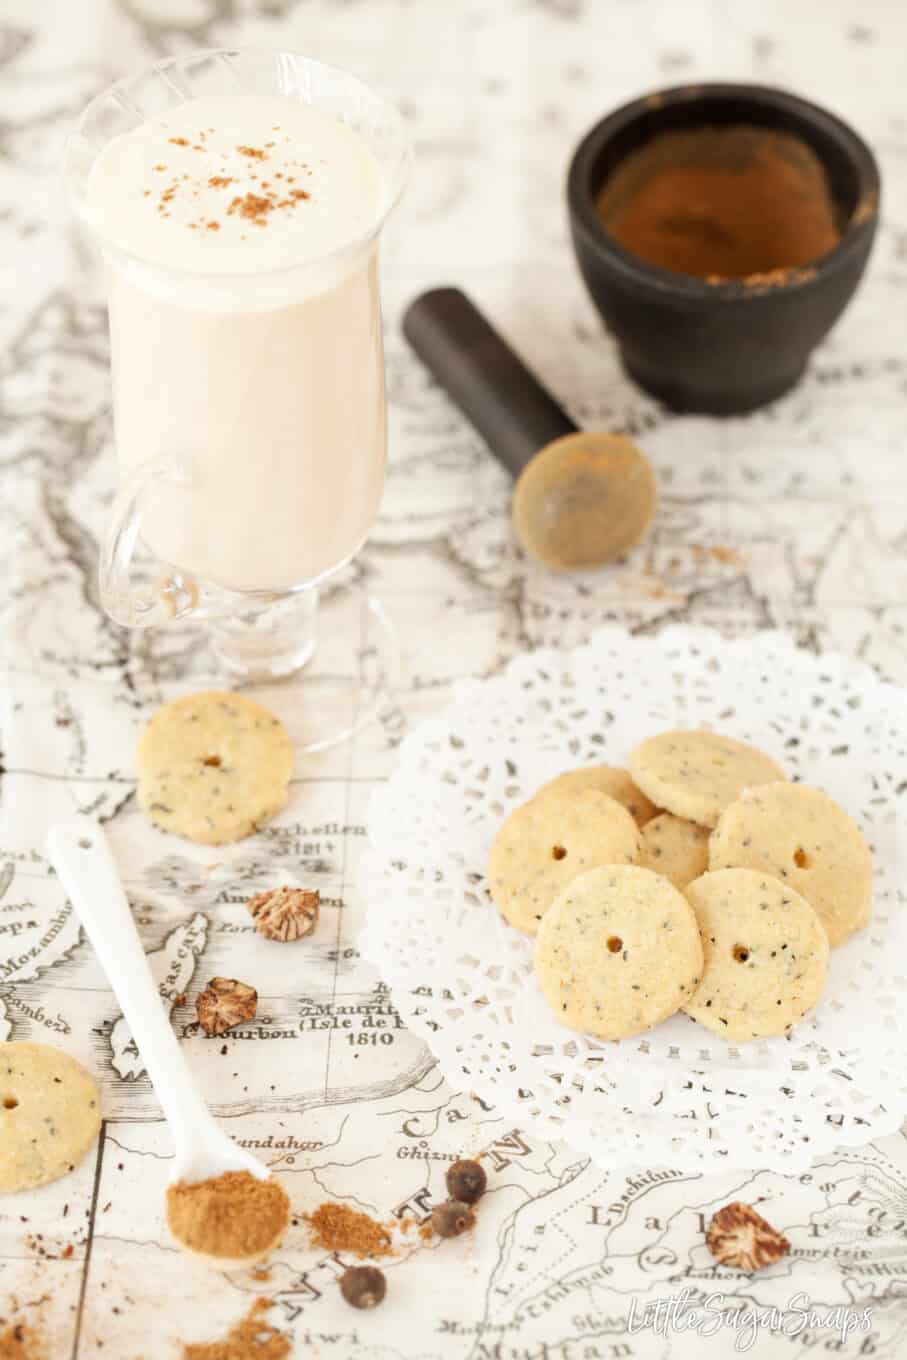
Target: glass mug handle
[[127, 600]]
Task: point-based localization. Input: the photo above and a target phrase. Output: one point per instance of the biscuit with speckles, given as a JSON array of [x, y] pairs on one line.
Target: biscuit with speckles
[[616, 783], [765, 955], [50, 1114], [618, 952], [804, 838], [697, 775], [676, 848], [213, 767], [546, 842]]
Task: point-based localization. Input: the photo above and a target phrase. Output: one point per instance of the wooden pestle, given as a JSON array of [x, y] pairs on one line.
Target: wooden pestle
[[581, 498]]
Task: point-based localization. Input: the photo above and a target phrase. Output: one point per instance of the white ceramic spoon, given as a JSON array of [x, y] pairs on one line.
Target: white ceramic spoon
[[80, 852]]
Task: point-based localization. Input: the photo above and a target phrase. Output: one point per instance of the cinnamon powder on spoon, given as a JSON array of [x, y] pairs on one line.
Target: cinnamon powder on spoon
[[232, 1216]]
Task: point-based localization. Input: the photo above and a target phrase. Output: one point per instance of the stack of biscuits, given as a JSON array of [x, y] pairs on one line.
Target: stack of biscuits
[[699, 880]]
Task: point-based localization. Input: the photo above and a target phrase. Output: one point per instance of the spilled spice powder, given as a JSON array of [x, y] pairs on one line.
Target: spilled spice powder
[[232, 1217], [335, 1227], [252, 1338], [20, 1342]]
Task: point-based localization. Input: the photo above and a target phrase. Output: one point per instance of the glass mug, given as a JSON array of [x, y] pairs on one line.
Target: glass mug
[[249, 409]]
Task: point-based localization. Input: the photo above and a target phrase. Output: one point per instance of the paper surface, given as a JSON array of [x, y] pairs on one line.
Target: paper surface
[[792, 518]]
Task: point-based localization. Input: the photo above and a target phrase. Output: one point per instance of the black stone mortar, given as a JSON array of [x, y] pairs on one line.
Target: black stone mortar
[[726, 347]]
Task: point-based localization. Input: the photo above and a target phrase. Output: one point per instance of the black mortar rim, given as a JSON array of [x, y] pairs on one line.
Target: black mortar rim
[[801, 112]]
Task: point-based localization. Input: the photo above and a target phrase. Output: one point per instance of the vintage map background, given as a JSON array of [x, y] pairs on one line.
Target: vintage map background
[[807, 502]]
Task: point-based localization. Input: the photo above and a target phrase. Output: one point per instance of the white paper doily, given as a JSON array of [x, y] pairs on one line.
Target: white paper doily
[[462, 978]]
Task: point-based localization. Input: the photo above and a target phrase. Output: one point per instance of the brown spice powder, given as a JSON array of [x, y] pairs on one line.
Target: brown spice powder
[[252, 207], [232, 1216], [721, 203], [251, 1339], [335, 1227], [254, 153], [19, 1342]]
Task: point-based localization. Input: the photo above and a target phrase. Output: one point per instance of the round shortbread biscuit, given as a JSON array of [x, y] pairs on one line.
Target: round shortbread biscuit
[[546, 842], [213, 767], [801, 836], [617, 952], [765, 951], [676, 848], [616, 783], [696, 775], [50, 1114]]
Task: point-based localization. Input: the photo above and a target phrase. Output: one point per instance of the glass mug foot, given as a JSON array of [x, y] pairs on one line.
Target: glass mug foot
[[348, 682]]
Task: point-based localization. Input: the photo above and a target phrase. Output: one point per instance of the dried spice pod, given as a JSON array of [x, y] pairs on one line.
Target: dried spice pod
[[738, 1236], [285, 913], [466, 1181], [224, 1003], [452, 1218], [363, 1286]]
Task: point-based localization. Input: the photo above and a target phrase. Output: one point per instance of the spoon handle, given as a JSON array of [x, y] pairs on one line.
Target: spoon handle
[[506, 403], [80, 852]]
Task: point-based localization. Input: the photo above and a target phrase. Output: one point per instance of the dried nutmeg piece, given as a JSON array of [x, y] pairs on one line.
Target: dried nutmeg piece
[[285, 913], [466, 1181], [452, 1218], [363, 1286], [225, 1002], [738, 1236]]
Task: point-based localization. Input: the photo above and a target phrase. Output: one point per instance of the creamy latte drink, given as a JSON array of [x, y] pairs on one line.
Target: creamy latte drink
[[245, 331]]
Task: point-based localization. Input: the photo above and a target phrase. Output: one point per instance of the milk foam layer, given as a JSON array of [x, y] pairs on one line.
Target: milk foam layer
[[226, 184]]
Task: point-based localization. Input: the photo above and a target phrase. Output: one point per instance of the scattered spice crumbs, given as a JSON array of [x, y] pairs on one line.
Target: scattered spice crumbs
[[255, 153], [336, 1227], [718, 553], [178, 141], [251, 1336], [19, 1342]]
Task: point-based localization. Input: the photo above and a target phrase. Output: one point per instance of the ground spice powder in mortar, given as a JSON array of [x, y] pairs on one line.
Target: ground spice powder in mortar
[[335, 1227], [233, 1216], [721, 202], [251, 1339]]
